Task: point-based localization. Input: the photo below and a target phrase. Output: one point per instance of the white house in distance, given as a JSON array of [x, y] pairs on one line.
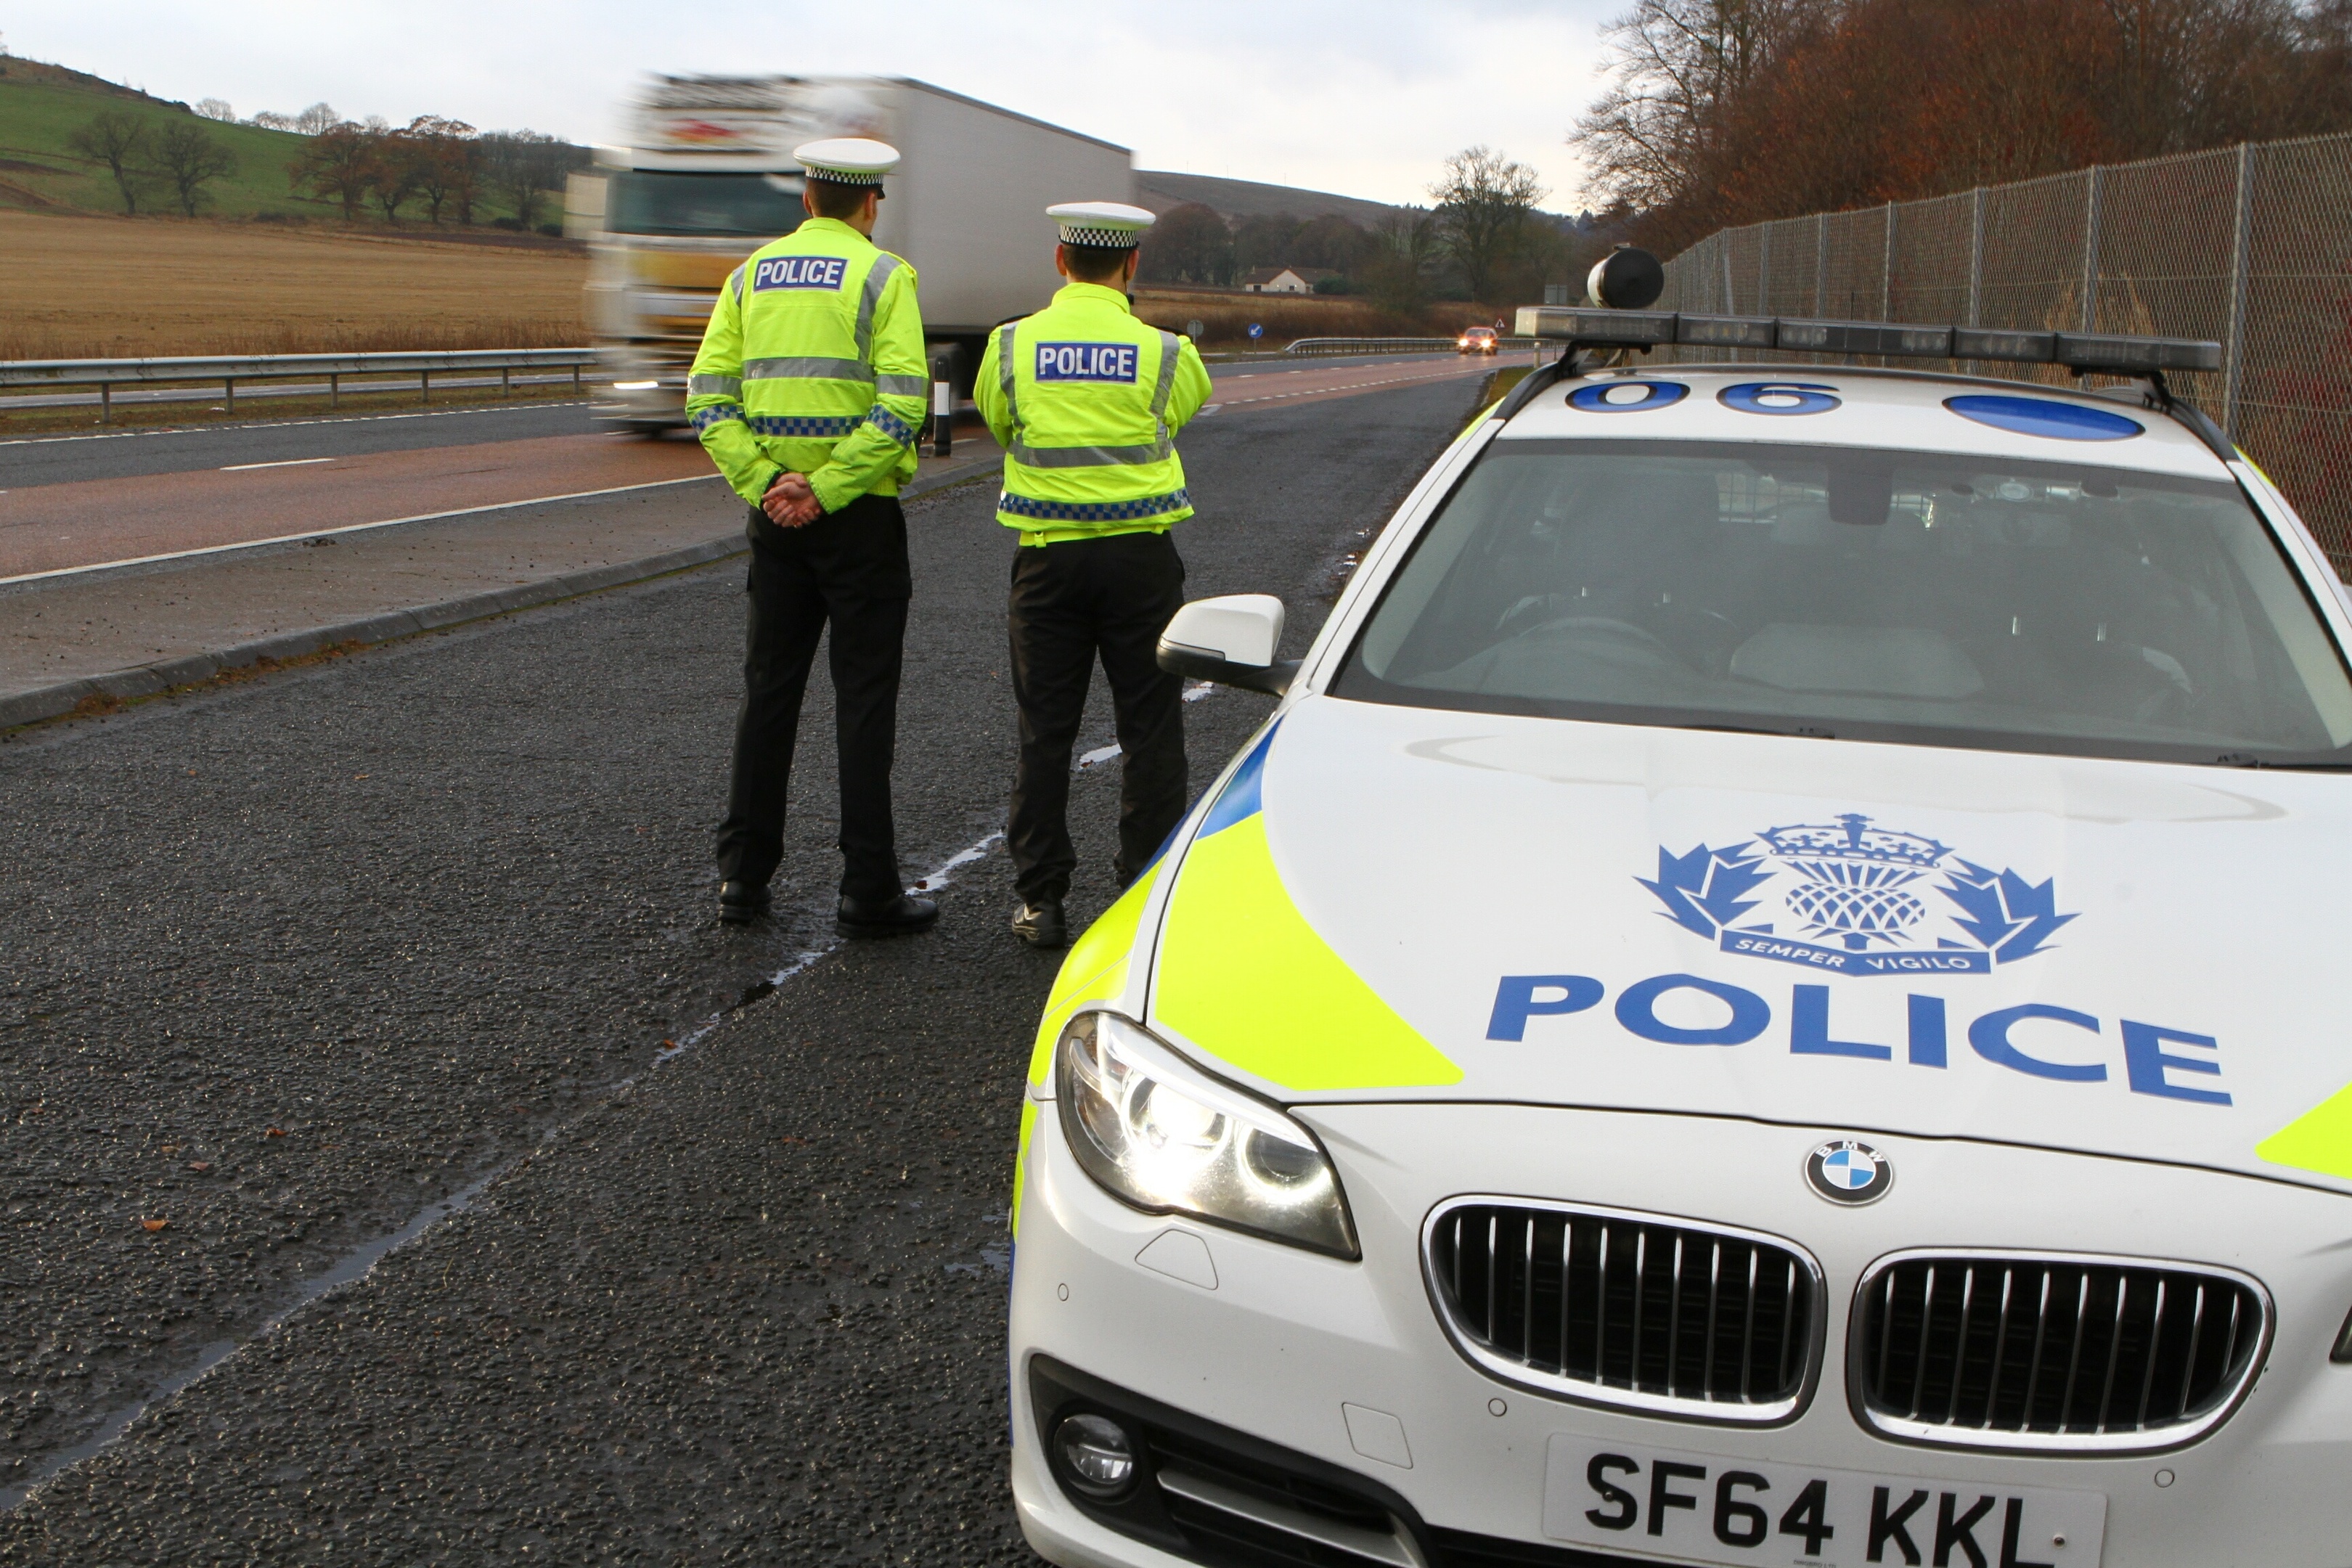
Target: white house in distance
[[1286, 280]]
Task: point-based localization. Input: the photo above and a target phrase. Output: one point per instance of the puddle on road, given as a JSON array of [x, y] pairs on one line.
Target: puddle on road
[[361, 1260]]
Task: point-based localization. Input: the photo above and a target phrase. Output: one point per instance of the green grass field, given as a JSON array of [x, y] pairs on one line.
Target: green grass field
[[42, 105]]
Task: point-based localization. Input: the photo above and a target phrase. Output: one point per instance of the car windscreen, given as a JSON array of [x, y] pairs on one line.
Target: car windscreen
[[647, 202], [1912, 596]]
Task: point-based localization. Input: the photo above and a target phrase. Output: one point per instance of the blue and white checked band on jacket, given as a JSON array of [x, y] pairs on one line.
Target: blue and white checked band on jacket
[[717, 414], [794, 424], [890, 425], [1092, 511]]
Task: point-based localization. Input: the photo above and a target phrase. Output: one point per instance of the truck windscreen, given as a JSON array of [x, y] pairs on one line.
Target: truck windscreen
[[645, 202]]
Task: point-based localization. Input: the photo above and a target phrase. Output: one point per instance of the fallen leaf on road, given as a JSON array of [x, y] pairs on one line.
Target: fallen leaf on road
[[154, 1224], [275, 1133], [171, 1148], [200, 1166]]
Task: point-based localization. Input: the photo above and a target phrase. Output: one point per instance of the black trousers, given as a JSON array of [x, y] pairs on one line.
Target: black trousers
[[1071, 604], [847, 569]]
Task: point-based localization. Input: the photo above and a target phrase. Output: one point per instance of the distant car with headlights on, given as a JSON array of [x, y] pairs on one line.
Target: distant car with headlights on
[[1476, 341], [1761, 998]]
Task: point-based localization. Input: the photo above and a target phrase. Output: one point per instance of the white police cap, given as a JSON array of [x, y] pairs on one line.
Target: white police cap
[[1113, 224], [847, 160]]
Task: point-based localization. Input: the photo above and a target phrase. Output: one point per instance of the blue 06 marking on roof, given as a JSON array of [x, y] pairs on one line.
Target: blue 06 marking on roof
[[1593, 397], [2044, 417], [1781, 397]]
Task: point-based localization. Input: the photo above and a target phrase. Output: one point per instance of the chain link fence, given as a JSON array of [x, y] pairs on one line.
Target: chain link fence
[[2250, 246]]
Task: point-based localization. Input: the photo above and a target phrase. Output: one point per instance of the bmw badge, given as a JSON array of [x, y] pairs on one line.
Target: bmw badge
[[1848, 1170]]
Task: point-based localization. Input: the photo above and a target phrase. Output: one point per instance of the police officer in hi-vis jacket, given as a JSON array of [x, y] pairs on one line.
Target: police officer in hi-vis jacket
[[807, 394], [1085, 400]]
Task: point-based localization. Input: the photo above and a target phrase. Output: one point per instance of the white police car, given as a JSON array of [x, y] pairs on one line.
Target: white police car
[[1770, 993]]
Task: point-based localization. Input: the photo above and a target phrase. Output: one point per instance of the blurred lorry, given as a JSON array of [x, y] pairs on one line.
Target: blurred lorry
[[706, 177]]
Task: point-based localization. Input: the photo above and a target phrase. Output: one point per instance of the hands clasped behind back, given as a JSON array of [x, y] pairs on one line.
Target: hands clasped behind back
[[790, 502]]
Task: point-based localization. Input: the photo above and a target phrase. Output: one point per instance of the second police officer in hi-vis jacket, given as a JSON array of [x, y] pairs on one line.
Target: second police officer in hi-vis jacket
[[1085, 399], [807, 394]]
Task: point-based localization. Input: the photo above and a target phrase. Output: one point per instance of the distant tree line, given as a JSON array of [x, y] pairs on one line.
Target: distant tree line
[[1482, 239], [150, 164], [1734, 111], [443, 166], [440, 169]]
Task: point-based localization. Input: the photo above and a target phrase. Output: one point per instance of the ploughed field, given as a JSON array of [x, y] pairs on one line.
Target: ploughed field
[[73, 286]]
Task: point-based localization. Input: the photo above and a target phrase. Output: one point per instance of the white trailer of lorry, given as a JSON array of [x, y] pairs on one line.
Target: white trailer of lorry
[[706, 177]]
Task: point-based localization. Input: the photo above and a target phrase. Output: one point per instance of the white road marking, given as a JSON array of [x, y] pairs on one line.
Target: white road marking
[[283, 424], [281, 463], [349, 528], [1100, 754]]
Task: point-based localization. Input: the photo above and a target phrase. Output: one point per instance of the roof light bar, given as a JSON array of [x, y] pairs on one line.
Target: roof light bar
[[2100, 351]]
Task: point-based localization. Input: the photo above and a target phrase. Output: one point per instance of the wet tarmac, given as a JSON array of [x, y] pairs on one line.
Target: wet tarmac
[[686, 1243]]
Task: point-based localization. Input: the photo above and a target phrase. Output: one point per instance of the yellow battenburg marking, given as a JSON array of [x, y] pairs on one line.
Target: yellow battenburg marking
[[1243, 975], [1021, 1159], [1095, 971], [2319, 1140]]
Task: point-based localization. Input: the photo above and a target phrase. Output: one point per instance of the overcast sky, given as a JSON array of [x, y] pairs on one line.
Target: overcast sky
[[1365, 98]]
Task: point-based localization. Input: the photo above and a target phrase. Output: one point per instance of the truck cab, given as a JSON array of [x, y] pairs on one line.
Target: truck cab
[[705, 176]]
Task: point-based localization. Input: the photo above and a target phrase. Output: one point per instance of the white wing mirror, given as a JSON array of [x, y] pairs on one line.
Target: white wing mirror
[[1230, 639]]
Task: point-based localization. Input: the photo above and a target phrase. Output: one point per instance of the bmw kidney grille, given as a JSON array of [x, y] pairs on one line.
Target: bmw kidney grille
[[1607, 1307]]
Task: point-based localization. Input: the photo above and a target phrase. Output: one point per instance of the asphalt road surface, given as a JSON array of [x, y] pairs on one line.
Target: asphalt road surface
[[74, 501], [290, 963]]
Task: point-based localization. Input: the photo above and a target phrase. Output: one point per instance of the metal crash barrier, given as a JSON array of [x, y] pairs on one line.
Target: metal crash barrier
[[106, 374], [1306, 346]]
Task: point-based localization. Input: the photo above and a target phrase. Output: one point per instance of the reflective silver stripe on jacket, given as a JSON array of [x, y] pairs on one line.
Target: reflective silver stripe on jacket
[[869, 298], [1004, 374], [1100, 457], [735, 281], [903, 385], [724, 385], [807, 367]]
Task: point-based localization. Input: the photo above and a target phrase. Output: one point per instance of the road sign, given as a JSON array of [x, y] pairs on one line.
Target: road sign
[[1192, 330], [1256, 331]]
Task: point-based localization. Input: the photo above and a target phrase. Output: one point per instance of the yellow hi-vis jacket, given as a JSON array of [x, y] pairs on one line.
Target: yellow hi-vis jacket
[[814, 364], [1085, 399]]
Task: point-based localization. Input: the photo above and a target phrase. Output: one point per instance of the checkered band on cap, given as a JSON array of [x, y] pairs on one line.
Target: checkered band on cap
[[847, 160], [1112, 224]]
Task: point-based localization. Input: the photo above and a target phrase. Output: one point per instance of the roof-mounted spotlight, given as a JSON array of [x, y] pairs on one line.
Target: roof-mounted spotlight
[[1627, 278]]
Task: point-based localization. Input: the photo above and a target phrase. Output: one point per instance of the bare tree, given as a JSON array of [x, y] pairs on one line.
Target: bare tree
[[316, 119], [1190, 243], [393, 166], [217, 109], [522, 166], [188, 158], [1483, 205], [334, 166], [448, 165], [1678, 66], [271, 119], [1404, 252], [119, 141]]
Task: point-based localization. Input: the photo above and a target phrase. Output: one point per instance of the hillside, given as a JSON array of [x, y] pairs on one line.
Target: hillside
[[1160, 189], [42, 105]]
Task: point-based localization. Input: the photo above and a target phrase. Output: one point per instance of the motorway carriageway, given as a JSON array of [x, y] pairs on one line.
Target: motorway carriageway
[[76, 502]]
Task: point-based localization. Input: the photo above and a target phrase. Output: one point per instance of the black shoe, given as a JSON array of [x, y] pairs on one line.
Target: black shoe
[[902, 916], [740, 903], [1041, 924]]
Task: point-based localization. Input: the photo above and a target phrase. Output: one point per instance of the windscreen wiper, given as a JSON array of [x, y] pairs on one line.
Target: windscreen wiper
[[2321, 765]]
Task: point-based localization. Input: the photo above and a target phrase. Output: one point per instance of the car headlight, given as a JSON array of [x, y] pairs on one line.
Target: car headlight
[[1165, 1137]]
